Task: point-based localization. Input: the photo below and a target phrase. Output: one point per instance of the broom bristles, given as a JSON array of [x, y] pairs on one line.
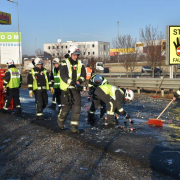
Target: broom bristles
[[156, 122]]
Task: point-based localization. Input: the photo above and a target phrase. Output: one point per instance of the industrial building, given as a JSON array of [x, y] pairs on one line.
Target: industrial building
[[95, 49]]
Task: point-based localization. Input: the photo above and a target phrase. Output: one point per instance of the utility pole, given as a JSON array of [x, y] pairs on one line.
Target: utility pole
[[118, 40], [35, 46]]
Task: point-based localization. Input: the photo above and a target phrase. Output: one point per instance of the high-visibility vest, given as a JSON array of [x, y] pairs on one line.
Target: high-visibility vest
[[56, 79], [34, 85], [63, 85], [110, 90], [88, 73], [14, 78]]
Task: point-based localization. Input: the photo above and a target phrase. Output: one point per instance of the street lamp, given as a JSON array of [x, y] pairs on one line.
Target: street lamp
[[18, 30], [35, 46]]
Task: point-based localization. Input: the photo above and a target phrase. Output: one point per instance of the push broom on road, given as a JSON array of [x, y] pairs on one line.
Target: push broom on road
[[159, 122]]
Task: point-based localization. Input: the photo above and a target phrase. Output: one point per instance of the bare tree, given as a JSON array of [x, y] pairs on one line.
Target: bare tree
[[39, 53], [128, 58], [153, 46]]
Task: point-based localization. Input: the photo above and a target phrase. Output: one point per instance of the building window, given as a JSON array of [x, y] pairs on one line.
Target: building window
[[84, 53], [88, 53], [57, 54], [62, 47], [104, 47], [92, 45], [53, 54], [49, 47], [93, 53], [52, 47], [57, 47], [66, 47]]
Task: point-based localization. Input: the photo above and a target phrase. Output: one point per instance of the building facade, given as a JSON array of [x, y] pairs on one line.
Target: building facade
[[95, 49]]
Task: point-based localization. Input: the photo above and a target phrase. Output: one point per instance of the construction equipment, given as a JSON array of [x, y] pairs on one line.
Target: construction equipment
[[2, 92], [157, 121]]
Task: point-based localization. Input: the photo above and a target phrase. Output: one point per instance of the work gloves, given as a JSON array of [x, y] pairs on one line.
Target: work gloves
[[127, 116], [52, 90], [78, 88], [31, 94], [4, 88], [90, 93]]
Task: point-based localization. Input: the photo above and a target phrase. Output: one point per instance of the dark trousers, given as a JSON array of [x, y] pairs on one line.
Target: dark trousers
[[12, 93], [70, 100], [41, 100], [58, 96], [95, 104]]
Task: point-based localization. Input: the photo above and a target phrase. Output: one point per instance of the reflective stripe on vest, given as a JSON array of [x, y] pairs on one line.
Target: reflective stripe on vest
[[63, 85], [35, 86], [14, 78], [56, 79]]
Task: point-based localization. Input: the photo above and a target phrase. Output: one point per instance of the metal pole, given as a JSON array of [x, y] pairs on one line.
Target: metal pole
[[118, 41], [35, 47], [18, 35]]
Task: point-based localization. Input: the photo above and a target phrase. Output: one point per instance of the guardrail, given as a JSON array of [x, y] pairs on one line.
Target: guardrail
[[135, 74], [139, 83]]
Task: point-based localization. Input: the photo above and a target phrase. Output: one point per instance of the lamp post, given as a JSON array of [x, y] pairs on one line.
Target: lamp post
[[35, 46], [18, 30], [118, 41]]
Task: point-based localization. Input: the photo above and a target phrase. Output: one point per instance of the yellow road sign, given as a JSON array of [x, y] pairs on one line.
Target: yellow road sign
[[174, 45]]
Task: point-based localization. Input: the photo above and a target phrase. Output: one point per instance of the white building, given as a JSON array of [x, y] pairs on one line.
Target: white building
[[96, 49]]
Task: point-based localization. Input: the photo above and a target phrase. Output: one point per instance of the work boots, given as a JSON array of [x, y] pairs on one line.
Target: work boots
[[74, 129], [61, 124], [110, 122], [52, 106]]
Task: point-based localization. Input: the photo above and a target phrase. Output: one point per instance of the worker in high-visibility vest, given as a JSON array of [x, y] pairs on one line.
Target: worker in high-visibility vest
[[72, 75], [55, 79], [11, 85], [113, 97], [95, 81], [38, 83], [88, 75]]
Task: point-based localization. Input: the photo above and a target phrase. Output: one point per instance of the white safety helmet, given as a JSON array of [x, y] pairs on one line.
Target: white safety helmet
[[74, 50], [56, 60], [10, 62], [98, 79], [38, 61], [129, 94]]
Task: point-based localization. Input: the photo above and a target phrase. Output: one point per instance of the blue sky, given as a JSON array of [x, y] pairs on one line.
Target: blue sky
[[85, 20]]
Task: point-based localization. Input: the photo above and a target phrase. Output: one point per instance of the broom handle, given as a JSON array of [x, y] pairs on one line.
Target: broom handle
[[165, 109]]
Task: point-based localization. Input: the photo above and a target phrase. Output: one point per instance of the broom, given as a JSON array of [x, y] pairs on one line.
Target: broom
[[159, 122], [159, 87]]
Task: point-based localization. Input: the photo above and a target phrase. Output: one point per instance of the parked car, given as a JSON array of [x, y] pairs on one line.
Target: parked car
[[157, 70], [146, 69]]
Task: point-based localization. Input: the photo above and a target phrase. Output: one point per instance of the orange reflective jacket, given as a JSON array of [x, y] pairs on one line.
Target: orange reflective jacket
[[88, 73]]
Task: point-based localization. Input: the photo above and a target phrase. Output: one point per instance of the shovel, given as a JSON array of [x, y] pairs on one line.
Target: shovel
[[159, 122], [159, 87]]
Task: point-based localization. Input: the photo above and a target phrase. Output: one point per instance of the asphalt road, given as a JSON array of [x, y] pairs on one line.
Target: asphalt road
[[146, 147]]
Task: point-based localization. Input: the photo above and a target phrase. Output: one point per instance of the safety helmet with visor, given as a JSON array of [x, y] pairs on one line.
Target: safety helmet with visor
[[98, 79], [129, 94], [38, 61], [74, 50], [10, 62], [56, 60]]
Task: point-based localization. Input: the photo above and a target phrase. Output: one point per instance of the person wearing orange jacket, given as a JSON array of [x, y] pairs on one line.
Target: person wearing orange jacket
[[88, 75]]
